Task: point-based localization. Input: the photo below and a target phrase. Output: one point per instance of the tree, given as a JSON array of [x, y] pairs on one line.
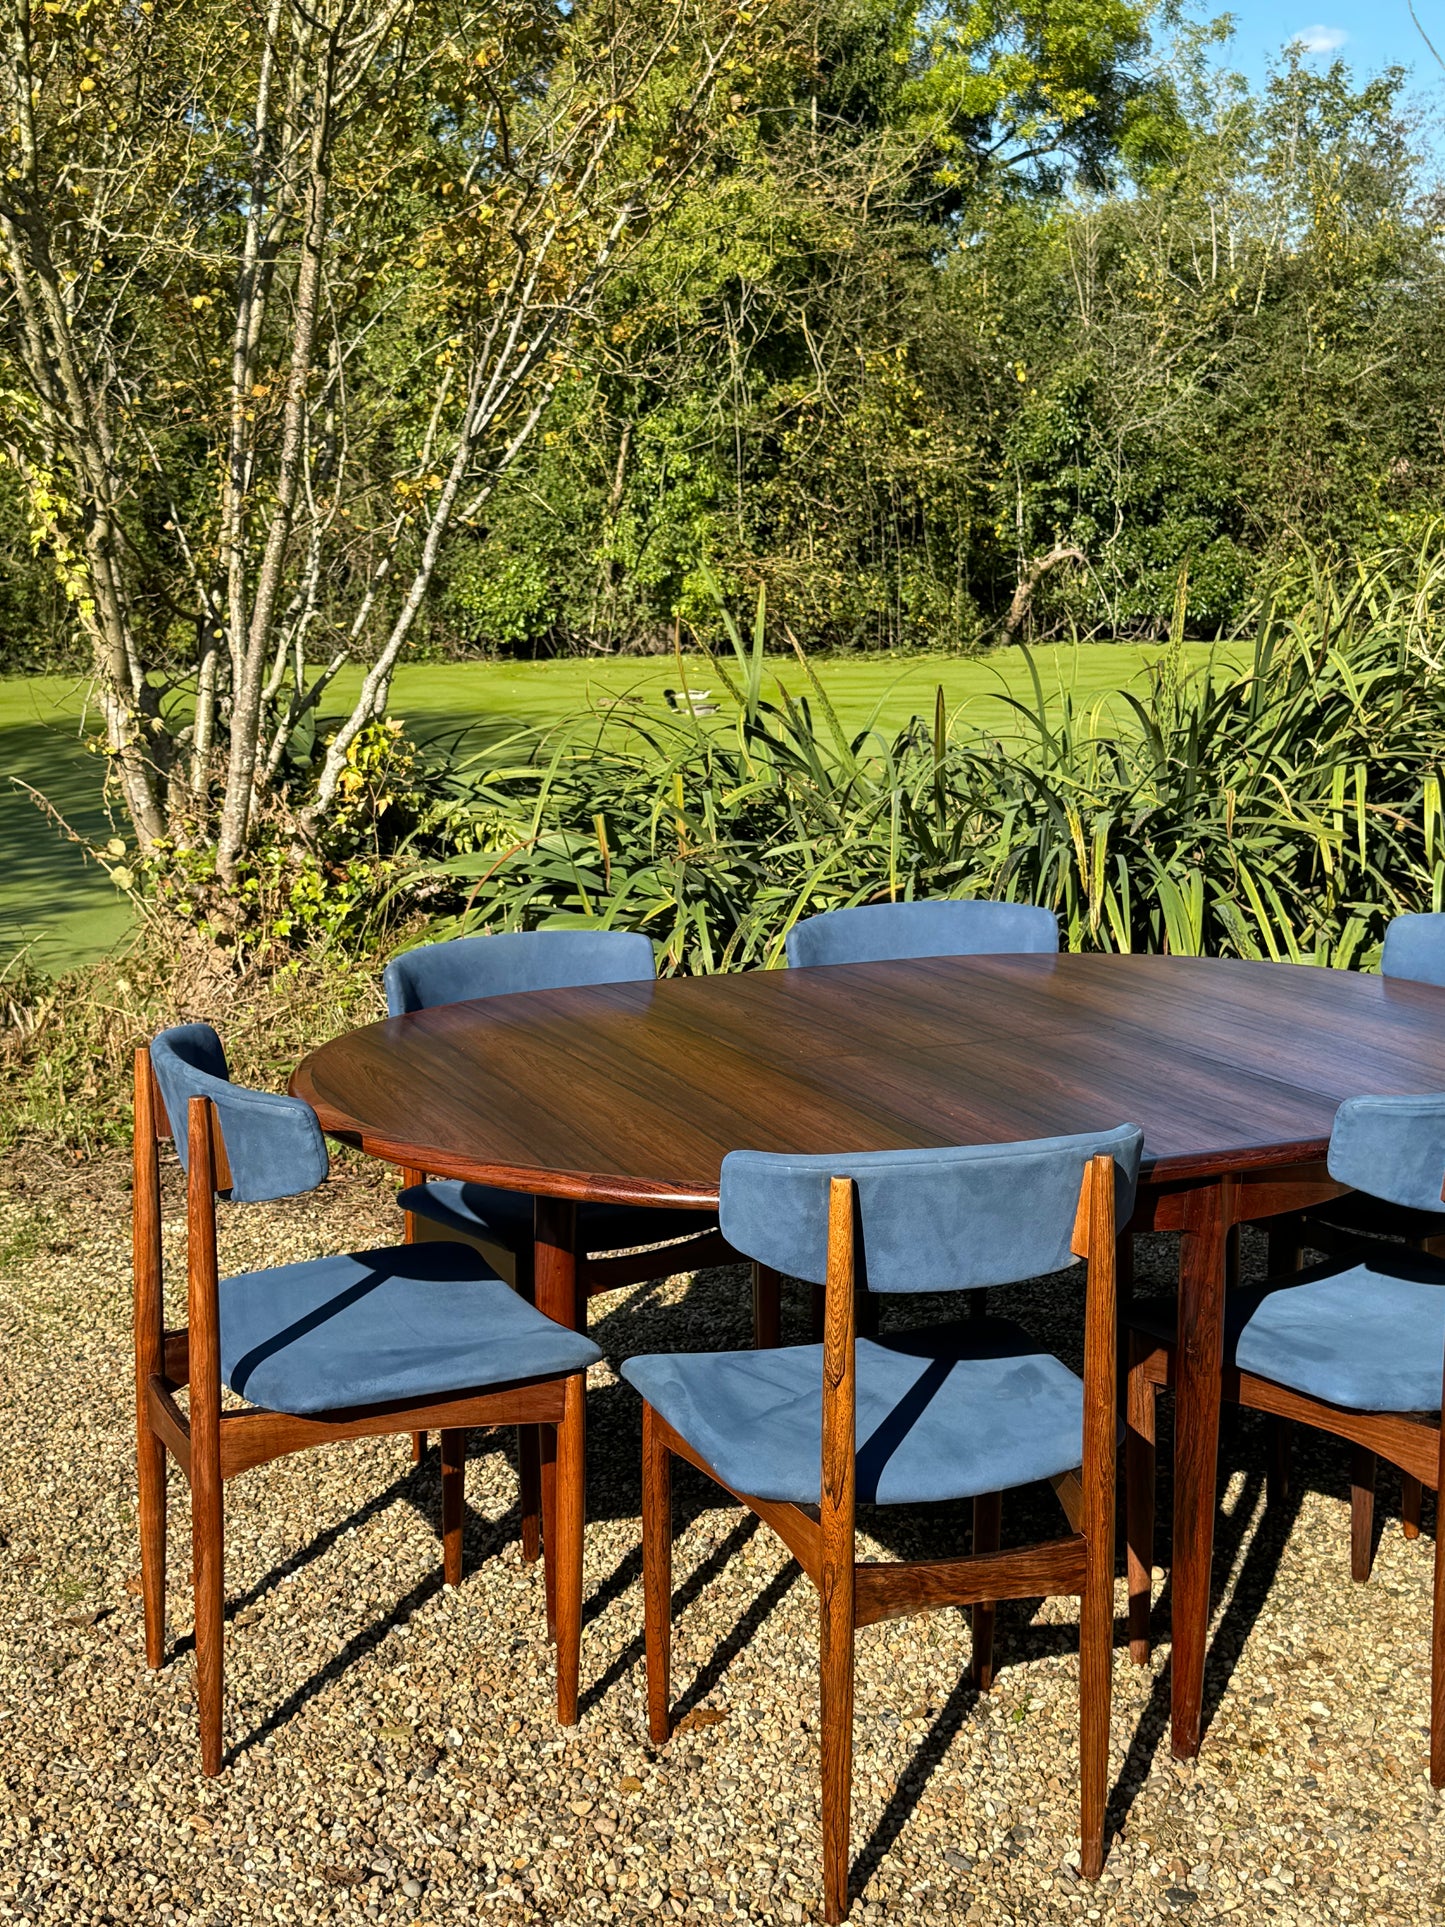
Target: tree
[[286, 290]]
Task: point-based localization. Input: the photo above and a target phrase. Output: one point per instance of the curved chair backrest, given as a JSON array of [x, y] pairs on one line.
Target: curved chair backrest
[[931, 927], [930, 1220], [466, 967], [1415, 947], [1393, 1148], [274, 1144]]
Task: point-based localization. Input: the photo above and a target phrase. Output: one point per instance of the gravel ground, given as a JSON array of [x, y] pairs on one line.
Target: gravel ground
[[394, 1756]]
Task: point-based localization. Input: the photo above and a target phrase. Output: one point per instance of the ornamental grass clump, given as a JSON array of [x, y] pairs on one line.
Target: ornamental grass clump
[[1282, 802]]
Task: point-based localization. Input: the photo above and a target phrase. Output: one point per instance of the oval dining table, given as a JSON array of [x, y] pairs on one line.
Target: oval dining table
[[634, 1093]]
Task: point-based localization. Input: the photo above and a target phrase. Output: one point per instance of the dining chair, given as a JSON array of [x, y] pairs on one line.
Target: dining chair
[[616, 1242], [923, 927], [1354, 1347], [1413, 952], [926, 927], [353, 1346], [494, 966], [802, 1434]]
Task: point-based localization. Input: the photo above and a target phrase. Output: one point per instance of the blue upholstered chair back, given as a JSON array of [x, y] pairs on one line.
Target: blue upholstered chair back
[[450, 973], [942, 927], [1393, 1148], [274, 1145], [1415, 947], [944, 1220]]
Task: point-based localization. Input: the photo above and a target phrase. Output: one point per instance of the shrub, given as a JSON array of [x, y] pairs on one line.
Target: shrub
[[1283, 808]]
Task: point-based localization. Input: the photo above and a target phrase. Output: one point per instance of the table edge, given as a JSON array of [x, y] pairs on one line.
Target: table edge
[[596, 1187]]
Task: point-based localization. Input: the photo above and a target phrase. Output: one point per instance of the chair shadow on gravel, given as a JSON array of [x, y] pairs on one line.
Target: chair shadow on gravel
[[314, 1549], [419, 1485], [627, 1572], [366, 1641]]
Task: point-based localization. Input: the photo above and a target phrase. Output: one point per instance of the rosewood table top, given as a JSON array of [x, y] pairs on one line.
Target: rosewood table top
[[636, 1092]]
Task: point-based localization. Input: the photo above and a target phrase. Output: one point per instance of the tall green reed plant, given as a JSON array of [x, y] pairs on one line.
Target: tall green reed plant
[[1284, 808]]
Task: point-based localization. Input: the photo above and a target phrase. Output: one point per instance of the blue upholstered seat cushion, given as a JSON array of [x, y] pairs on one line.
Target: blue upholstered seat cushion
[[943, 1413], [505, 1217], [1368, 1336], [373, 1327]]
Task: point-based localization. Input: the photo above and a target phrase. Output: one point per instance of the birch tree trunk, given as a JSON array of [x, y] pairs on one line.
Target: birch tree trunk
[[227, 231]]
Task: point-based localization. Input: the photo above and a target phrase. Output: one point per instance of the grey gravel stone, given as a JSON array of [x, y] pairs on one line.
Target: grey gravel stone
[[393, 1755]]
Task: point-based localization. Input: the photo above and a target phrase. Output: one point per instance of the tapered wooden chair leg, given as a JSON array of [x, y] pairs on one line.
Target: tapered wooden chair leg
[[657, 1576], [1139, 1477], [767, 1308], [1096, 1654], [564, 1545], [1411, 1495], [418, 1447], [207, 1572], [987, 1519], [529, 1490], [548, 1437], [836, 1696], [151, 1510], [1280, 1435], [454, 1480], [1362, 1513]]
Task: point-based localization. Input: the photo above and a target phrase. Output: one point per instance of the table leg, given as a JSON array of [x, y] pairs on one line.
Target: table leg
[[1198, 1367], [555, 1283]]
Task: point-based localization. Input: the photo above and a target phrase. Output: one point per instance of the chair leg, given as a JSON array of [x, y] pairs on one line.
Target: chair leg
[[767, 1308], [207, 1576], [548, 1434], [454, 1480], [836, 1709], [1411, 1494], [1280, 1435], [1284, 1250], [987, 1518], [151, 1508], [657, 1575], [1096, 1654], [418, 1447], [1139, 1477], [563, 1548], [529, 1489], [1437, 1655], [1362, 1513]]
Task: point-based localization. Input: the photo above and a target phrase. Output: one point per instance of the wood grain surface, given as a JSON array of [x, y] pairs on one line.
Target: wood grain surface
[[634, 1093]]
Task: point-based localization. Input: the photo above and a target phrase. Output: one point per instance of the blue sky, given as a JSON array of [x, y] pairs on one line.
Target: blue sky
[[1368, 34]]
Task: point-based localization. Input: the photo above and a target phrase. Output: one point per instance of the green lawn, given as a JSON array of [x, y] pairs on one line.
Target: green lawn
[[52, 898]]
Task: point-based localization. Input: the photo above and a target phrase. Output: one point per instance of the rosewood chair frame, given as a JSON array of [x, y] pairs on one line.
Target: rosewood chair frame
[[1415, 1443], [211, 1445], [853, 1593]]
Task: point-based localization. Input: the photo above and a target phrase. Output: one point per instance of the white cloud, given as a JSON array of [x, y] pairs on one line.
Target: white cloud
[[1321, 40]]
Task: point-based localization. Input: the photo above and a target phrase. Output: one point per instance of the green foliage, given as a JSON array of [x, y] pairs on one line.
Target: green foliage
[[1285, 810], [289, 890], [67, 1045], [858, 367]]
